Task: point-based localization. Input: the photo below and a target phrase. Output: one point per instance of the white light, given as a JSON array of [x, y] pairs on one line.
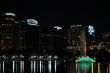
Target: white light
[[21, 66], [49, 56], [33, 56], [22, 56], [32, 22], [55, 57], [40, 56], [58, 27], [91, 30], [40, 66], [49, 66], [12, 14], [31, 66], [34, 66], [13, 57], [3, 66], [55, 66], [13, 66]]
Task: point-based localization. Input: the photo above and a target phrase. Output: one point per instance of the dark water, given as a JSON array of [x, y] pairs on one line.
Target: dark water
[[52, 67]]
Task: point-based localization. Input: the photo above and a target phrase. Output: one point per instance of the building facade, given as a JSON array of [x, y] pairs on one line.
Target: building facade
[[11, 33], [74, 34]]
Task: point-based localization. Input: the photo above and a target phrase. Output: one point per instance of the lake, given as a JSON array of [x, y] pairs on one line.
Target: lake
[[55, 66]]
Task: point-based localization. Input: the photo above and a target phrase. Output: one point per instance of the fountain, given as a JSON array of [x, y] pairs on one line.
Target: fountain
[[84, 57]]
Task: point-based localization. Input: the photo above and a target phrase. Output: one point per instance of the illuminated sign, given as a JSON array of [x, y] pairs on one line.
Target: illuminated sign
[[11, 14], [91, 30], [32, 22], [58, 27]]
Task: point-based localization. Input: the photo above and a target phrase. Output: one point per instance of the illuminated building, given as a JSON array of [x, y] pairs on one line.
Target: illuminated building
[[11, 33], [106, 41], [91, 37], [74, 37], [7, 21]]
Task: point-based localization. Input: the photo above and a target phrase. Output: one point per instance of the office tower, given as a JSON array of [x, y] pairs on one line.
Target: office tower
[[74, 37], [7, 22], [11, 33], [91, 37]]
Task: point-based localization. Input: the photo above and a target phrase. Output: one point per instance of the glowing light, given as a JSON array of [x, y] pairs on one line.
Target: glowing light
[[34, 66], [10, 14], [13, 57], [83, 67], [108, 50], [3, 67], [49, 56], [31, 66], [40, 66], [58, 27], [13, 66], [40, 57], [85, 59], [49, 66], [21, 66], [33, 56], [55, 57], [91, 30], [32, 22], [55, 66], [21, 56], [98, 67]]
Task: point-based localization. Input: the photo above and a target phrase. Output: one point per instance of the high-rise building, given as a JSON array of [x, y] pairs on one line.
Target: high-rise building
[[7, 22], [74, 37], [11, 33], [91, 37]]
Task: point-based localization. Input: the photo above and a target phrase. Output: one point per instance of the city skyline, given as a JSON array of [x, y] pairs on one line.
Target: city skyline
[[83, 13]]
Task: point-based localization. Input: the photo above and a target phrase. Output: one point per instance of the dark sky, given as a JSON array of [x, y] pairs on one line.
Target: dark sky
[[62, 13]]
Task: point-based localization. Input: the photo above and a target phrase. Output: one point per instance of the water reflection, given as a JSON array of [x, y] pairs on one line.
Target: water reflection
[[49, 66], [3, 66], [55, 66], [84, 67], [52, 66], [13, 66], [21, 66]]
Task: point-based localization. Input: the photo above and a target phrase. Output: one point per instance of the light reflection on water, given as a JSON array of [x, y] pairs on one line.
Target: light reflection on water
[[52, 67]]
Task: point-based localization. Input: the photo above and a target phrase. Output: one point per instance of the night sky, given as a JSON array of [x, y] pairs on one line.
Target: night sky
[[62, 13]]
